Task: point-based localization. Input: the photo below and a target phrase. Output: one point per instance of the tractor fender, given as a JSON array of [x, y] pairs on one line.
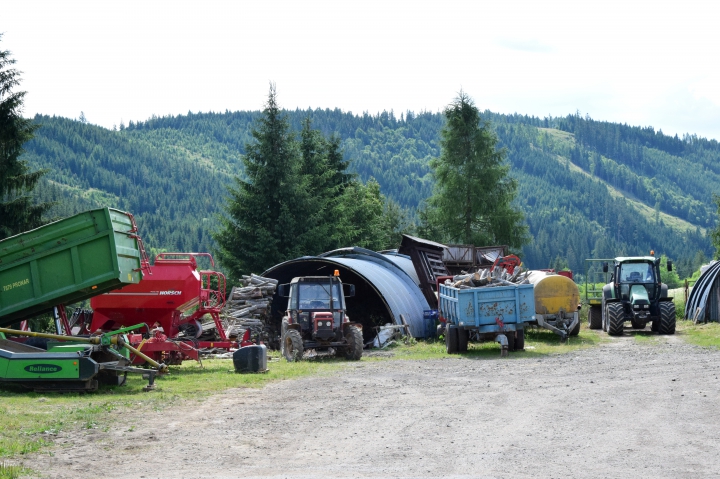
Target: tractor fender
[[608, 292], [286, 326], [351, 325], [663, 290]]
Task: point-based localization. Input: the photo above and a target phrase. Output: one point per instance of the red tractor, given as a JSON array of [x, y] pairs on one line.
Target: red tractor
[[316, 318], [171, 300]]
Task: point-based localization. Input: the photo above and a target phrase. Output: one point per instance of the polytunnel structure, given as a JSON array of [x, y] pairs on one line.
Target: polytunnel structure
[[386, 287]]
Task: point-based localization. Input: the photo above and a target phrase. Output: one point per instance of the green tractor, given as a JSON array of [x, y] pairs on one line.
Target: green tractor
[[636, 294]]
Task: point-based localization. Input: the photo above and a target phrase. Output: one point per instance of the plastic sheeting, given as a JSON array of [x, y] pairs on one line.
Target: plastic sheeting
[[385, 286], [703, 304]]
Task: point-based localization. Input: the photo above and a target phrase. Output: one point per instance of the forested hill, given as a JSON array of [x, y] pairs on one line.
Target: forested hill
[[588, 188]]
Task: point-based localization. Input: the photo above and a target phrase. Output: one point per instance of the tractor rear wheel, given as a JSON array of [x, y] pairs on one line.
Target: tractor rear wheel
[[292, 345], [463, 336], [354, 338], [451, 339], [667, 318], [595, 317], [615, 319]]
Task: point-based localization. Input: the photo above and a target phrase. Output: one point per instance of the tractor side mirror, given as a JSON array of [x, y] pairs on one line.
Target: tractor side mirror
[[284, 290], [669, 265], [348, 290], [605, 267]]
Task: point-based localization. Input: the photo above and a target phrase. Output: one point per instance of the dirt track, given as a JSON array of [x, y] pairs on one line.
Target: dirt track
[[622, 410]]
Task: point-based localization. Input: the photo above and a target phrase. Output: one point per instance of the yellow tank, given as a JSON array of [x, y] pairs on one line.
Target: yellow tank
[[554, 292]]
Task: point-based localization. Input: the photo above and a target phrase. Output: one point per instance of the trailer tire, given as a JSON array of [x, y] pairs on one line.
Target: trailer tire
[[463, 337], [451, 339], [575, 331], [292, 345], [511, 340], [667, 318], [520, 340], [354, 349], [615, 319], [594, 317]]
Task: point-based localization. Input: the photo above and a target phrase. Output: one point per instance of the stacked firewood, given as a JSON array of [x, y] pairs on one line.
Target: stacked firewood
[[489, 278], [248, 307]]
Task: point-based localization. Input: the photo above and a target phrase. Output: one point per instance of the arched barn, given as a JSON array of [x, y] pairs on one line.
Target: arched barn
[[386, 286]]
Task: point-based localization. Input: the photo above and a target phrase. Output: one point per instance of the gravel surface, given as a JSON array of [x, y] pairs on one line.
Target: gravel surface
[[624, 409]]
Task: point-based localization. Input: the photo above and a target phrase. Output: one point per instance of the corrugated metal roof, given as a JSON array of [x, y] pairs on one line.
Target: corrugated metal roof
[[388, 275]]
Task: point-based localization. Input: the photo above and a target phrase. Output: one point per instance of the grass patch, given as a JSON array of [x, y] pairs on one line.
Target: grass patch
[[8, 471], [31, 420], [538, 342], [707, 334]]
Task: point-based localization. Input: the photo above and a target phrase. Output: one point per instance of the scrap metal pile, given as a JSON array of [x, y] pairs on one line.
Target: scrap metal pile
[[248, 308], [506, 271]]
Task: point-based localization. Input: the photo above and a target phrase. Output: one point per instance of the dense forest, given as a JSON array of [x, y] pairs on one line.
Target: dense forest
[[587, 188]]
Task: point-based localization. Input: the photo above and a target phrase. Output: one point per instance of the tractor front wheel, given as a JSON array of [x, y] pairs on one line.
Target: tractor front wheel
[[615, 319], [667, 318], [292, 345], [594, 317], [354, 349]]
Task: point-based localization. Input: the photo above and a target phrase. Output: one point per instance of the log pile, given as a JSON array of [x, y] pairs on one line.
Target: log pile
[[248, 307], [489, 278]]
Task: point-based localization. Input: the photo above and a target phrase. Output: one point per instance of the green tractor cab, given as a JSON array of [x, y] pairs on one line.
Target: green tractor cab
[[635, 293]]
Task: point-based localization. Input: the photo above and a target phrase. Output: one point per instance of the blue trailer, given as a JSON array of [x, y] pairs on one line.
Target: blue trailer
[[486, 313]]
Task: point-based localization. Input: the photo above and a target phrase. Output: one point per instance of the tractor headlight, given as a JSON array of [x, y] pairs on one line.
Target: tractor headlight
[[329, 323], [636, 306]]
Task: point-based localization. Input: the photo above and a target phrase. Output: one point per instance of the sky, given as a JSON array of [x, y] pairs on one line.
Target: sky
[[644, 63]]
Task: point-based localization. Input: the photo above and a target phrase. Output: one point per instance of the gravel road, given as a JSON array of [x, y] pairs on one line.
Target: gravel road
[[623, 409]]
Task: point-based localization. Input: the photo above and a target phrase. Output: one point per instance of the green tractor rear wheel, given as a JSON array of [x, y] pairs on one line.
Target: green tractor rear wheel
[[667, 318], [615, 319], [594, 317]]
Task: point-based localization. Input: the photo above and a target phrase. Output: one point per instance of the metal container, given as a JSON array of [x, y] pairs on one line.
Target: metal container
[[250, 359], [488, 309], [67, 261]]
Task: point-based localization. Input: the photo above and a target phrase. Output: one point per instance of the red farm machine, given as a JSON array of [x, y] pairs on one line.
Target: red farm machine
[[171, 300]]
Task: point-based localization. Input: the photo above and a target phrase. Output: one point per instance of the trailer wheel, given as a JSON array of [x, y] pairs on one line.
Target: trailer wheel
[[595, 317], [511, 340], [354, 349], [292, 345], [575, 331], [520, 340], [667, 318], [451, 339], [615, 319], [463, 336]]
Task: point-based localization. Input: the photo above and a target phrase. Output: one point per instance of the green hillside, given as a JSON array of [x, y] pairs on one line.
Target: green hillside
[[588, 189]]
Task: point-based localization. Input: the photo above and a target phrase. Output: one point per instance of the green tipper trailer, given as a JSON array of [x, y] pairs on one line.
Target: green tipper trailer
[[67, 261]]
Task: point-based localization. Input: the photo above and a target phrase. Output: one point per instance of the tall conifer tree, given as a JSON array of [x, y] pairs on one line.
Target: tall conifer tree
[[260, 227], [18, 211], [472, 201]]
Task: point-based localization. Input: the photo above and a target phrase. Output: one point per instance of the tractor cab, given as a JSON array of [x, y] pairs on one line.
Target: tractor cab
[[316, 317]]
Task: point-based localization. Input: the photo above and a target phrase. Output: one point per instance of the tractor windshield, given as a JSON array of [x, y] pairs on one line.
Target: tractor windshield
[[317, 295], [637, 273]]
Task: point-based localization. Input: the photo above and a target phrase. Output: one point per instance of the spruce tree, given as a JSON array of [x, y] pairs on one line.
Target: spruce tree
[[18, 210], [259, 230], [472, 201]]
